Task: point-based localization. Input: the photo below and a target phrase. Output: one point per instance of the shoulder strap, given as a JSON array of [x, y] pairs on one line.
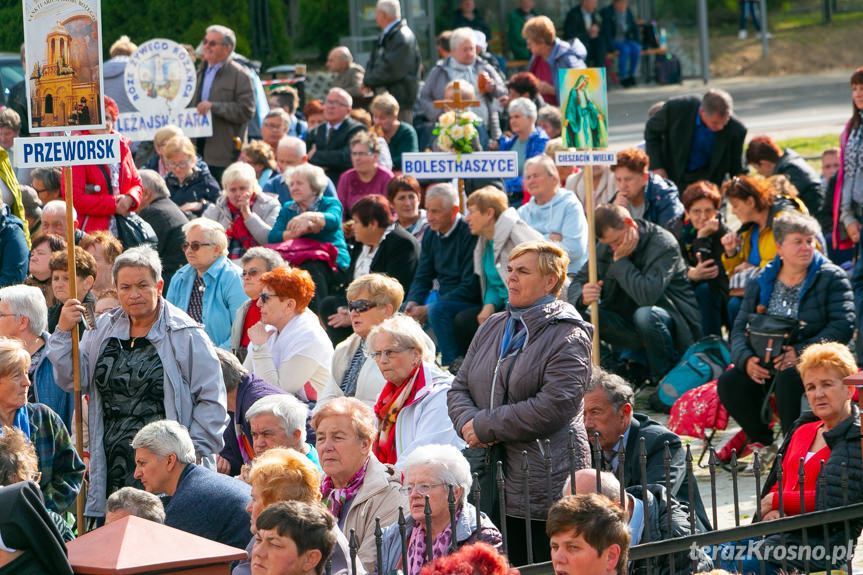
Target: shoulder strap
[[107, 177]]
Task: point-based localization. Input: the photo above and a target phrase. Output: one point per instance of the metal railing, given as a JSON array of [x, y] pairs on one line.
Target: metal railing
[[647, 553]]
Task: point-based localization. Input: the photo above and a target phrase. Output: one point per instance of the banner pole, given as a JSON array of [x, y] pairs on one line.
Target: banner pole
[[590, 208], [76, 358]]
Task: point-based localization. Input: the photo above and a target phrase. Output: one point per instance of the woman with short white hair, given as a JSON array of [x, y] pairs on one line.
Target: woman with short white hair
[[246, 214], [24, 316], [209, 288], [528, 140], [412, 406], [430, 471]]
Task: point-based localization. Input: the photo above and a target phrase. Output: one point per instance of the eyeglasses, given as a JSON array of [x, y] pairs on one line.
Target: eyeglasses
[[420, 488], [195, 246], [206, 42], [179, 164], [361, 154], [387, 353], [15, 314], [265, 297], [361, 305], [251, 273], [334, 103], [272, 126]]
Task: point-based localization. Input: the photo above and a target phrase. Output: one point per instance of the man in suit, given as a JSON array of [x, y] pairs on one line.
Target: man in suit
[[329, 143], [608, 410], [582, 22], [226, 90], [690, 139], [395, 62]]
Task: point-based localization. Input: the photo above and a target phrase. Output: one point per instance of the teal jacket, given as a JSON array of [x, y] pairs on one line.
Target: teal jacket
[[331, 234]]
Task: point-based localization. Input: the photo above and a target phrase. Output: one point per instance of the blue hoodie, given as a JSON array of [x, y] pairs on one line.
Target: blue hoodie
[[562, 215]]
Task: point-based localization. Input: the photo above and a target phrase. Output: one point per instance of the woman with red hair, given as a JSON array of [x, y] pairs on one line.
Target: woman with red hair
[[288, 347], [101, 192]]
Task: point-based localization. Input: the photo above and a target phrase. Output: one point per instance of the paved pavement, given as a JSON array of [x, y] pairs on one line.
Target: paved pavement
[[782, 107]]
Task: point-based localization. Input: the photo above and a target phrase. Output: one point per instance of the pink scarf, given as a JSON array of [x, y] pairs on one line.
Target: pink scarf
[[417, 546], [335, 497]]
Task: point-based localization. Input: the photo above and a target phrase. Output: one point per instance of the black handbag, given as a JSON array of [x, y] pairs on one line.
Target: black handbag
[[767, 334], [133, 231]]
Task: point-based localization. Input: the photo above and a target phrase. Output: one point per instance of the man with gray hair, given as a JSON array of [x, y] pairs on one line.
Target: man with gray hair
[[394, 63], [279, 420], [137, 502], [349, 74], [446, 256], [196, 500], [54, 220], [226, 90], [244, 390], [608, 411], [691, 139], [329, 143], [290, 153], [167, 220]]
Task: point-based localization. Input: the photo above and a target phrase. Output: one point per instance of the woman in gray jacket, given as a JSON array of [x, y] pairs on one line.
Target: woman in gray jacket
[[520, 389], [144, 361], [246, 213]]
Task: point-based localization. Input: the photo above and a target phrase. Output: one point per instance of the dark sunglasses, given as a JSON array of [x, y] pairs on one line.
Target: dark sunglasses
[[265, 297], [361, 305], [195, 246]]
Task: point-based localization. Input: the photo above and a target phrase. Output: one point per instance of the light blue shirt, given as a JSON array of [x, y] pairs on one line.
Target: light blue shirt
[[223, 296], [389, 27], [617, 446], [636, 523], [209, 75]]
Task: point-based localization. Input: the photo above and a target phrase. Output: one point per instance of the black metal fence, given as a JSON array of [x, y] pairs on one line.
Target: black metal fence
[[648, 554]]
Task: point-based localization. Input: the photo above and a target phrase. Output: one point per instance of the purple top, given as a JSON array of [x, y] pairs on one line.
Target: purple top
[[351, 188]]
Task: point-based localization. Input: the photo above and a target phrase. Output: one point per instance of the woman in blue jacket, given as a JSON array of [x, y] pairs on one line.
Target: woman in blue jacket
[[312, 216], [209, 288]]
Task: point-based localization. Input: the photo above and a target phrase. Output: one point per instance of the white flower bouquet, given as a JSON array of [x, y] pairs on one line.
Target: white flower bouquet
[[455, 130]]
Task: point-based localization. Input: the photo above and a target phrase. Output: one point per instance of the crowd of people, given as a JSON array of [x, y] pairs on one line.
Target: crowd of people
[[300, 340]]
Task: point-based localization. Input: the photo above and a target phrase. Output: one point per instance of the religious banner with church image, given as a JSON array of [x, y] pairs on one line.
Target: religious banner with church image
[[584, 108], [63, 54]]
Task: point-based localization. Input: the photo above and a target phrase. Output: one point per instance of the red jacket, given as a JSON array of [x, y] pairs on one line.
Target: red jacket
[[96, 208], [798, 447]]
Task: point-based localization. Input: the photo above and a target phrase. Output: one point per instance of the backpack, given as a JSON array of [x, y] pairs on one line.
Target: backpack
[[133, 230], [704, 361], [666, 69]]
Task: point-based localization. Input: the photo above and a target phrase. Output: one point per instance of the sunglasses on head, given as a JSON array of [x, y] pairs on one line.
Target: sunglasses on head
[[361, 305]]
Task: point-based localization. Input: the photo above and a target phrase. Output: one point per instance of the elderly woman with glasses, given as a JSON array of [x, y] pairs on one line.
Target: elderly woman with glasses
[[189, 180], [23, 316], [371, 299], [246, 214], [146, 360], [799, 284], [209, 288], [61, 468], [357, 488], [430, 472], [289, 349], [255, 262], [411, 408], [367, 177], [310, 215], [286, 475]]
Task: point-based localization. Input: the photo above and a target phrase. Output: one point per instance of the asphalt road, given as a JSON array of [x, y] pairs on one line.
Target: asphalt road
[[781, 107]]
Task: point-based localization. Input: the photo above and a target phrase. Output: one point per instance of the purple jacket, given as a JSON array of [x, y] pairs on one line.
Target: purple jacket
[[251, 389]]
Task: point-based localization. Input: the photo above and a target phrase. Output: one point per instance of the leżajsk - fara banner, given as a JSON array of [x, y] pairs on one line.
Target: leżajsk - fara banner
[[584, 108], [63, 65]]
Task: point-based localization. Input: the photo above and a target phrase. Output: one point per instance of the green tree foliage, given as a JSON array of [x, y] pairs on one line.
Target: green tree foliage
[[323, 22], [183, 22]]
